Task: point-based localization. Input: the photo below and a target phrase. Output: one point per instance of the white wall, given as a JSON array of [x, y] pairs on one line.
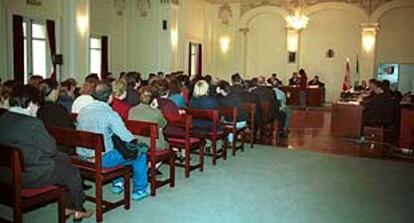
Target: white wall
[[266, 46], [331, 29], [4, 73], [105, 21], [396, 36]]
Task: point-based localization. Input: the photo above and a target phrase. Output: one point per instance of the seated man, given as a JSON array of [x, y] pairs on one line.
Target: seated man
[[294, 80], [98, 117], [284, 110], [315, 82], [227, 98], [44, 164]]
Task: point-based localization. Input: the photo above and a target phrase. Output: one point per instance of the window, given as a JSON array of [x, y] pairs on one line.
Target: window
[[95, 52], [36, 51], [194, 59]]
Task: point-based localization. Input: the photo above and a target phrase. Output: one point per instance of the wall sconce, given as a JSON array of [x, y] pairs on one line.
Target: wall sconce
[[224, 44], [369, 34], [292, 40], [174, 37], [83, 24]]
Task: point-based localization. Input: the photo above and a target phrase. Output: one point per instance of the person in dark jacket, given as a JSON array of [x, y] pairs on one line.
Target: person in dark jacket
[[44, 164], [134, 82], [266, 94], [53, 113]]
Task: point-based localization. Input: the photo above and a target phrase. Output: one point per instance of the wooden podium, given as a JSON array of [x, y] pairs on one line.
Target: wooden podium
[[346, 120], [406, 128], [315, 97]]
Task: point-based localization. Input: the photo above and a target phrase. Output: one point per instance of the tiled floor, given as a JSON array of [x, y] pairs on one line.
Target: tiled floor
[[310, 130]]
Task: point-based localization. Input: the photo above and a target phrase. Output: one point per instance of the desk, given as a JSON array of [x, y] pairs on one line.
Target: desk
[[406, 128], [346, 120], [314, 97]]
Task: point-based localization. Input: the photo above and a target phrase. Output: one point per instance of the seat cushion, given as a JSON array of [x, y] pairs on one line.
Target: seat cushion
[[182, 141], [31, 192]]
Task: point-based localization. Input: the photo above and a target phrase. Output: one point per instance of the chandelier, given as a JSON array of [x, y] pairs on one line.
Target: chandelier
[[297, 21]]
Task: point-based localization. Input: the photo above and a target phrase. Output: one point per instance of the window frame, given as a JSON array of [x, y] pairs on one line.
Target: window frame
[[90, 48], [28, 40]]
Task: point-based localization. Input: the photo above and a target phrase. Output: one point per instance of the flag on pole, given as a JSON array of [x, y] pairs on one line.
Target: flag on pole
[[346, 86]]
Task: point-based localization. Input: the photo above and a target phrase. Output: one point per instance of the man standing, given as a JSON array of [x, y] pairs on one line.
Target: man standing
[[303, 80]]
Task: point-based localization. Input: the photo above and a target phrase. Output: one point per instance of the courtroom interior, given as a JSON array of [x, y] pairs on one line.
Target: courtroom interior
[[207, 111]]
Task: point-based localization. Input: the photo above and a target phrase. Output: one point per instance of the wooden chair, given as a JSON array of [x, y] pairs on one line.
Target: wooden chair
[[148, 129], [94, 171], [251, 125], [20, 199], [230, 126], [213, 134], [189, 144]]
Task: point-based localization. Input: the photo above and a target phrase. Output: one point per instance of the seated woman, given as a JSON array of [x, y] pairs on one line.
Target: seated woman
[[168, 108], [148, 111], [119, 93], [202, 100], [176, 94], [44, 164]]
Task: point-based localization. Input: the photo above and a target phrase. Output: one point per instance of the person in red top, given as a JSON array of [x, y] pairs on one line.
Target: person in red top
[[303, 81], [168, 108], [119, 94]]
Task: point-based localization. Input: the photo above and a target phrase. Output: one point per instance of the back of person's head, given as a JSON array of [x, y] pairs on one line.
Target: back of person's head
[[161, 85], [133, 78], [147, 94], [316, 77], [386, 84], [261, 80], [67, 89], [102, 91], [22, 96], [236, 79], [35, 81], [49, 89], [119, 88], [208, 78], [254, 81], [92, 77], [274, 75], [7, 89], [175, 86], [302, 72], [223, 86], [201, 88]]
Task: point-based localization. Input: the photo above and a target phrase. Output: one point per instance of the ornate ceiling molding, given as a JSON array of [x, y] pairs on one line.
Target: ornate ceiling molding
[[369, 6]]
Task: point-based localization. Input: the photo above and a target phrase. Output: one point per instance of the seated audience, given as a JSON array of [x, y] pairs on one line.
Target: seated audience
[[35, 81], [53, 113], [380, 109], [202, 100], [85, 98], [294, 80], [266, 94], [176, 94], [67, 94], [119, 94], [148, 111], [168, 108], [134, 82], [395, 94], [276, 80], [5, 92], [227, 98], [315, 82], [98, 117], [44, 164]]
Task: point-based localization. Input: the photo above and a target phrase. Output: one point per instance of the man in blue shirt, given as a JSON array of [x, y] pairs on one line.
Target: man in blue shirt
[[98, 117]]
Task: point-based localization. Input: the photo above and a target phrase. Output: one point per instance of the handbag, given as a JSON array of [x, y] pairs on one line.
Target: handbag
[[129, 150]]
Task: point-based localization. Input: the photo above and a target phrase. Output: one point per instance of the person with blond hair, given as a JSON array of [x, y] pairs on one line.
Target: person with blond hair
[[202, 100]]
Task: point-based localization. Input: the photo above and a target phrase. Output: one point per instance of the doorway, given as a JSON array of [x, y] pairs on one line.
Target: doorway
[[195, 64]]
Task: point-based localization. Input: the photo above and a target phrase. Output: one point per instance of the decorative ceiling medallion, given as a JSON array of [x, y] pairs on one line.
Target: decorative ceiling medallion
[[144, 7], [225, 14]]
